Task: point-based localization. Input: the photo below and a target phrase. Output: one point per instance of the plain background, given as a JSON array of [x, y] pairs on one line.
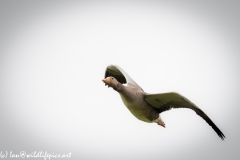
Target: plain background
[[53, 55]]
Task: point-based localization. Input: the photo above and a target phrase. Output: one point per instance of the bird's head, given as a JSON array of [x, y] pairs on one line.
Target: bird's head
[[111, 82]]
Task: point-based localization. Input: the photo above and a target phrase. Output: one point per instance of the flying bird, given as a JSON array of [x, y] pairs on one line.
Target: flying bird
[[145, 106]]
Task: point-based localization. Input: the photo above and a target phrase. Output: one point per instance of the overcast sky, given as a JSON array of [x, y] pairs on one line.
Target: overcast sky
[[53, 56]]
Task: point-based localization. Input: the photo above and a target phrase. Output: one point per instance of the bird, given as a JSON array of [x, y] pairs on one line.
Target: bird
[[145, 106]]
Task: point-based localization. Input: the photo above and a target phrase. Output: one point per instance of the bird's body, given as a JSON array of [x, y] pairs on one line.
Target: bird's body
[[136, 104], [147, 107]]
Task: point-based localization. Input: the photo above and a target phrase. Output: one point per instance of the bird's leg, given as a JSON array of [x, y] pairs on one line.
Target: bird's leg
[[160, 122]]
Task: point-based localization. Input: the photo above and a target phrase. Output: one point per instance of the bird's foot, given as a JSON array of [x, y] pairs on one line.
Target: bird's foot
[[161, 123]]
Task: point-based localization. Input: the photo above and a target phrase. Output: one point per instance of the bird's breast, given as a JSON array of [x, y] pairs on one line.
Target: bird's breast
[[139, 108]]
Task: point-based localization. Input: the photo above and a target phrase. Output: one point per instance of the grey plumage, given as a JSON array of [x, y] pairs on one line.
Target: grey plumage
[[145, 106]]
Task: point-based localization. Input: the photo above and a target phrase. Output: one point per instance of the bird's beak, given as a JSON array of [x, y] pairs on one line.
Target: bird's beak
[[106, 81]]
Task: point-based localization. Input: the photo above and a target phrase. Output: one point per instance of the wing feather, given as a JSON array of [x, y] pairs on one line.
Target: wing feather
[[121, 76], [165, 101]]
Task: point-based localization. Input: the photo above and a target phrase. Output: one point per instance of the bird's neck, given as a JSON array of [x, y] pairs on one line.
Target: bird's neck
[[119, 87]]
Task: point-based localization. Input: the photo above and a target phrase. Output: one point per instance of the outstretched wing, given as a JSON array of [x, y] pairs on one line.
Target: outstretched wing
[[121, 76], [164, 101]]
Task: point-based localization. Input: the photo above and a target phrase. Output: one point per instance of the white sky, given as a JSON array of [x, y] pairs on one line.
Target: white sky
[[53, 59]]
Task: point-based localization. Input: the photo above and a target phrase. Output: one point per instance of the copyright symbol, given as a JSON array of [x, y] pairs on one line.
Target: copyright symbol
[[22, 154]]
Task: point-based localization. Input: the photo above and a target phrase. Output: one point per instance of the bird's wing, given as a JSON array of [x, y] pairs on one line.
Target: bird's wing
[[121, 76], [164, 101]]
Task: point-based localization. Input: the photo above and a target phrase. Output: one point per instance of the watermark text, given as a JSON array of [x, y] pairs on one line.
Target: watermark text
[[36, 154]]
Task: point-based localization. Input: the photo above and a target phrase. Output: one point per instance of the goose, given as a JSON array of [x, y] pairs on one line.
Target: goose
[[145, 106]]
